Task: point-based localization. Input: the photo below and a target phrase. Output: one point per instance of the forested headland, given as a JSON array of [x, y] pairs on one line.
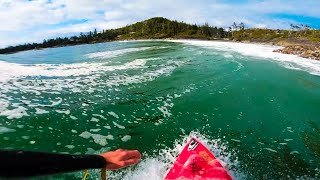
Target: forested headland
[[154, 28], [301, 39]]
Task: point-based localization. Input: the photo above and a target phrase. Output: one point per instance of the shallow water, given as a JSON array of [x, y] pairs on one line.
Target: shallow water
[[258, 111]]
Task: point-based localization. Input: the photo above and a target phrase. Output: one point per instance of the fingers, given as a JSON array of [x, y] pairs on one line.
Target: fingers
[[129, 157], [131, 162], [121, 158], [122, 164], [128, 162], [131, 154]]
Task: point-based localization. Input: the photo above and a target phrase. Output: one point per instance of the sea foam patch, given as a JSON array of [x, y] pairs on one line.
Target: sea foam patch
[[11, 70], [262, 51], [74, 83], [97, 138], [5, 130], [15, 113], [40, 80], [116, 53]]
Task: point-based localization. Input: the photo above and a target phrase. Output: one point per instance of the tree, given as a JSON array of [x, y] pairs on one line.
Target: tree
[[234, 26], [241, 26], [151, 28]]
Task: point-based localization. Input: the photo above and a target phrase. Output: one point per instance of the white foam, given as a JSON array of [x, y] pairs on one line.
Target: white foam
[[100, 116], [67, 112], [156, 167], [94, 130], [236, 140], [55, 103], [165, 111], [5, 130], [116, 53], [261, 51], [227, 55], [126, 138], [107, 127], [4, 105], [113, 114], [73, 117], [16, 113], [70, 146], [294, 152], [41, 111], [25, 137], [97, 138], [271, 150], [75, 83], [94, 119], [118, 125], [74, 131], [10, 71], [135, 79]]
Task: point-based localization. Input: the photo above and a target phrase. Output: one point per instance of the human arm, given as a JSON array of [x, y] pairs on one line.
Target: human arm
[[26, 163]]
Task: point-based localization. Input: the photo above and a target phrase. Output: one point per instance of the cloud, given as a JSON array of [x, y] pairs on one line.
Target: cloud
[[28, 21]]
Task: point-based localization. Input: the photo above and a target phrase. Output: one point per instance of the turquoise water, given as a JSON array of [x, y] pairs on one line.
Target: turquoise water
[[257, 111]]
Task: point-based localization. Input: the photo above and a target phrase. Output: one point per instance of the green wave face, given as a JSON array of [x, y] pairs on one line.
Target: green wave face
[[256, 110]]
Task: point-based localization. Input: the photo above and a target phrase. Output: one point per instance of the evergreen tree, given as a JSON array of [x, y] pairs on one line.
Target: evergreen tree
[[158, 27]]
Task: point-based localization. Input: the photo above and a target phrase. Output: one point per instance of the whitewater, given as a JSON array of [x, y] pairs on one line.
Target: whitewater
[[255, 109]]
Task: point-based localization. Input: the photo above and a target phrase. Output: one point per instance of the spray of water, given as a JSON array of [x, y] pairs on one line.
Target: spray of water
[[155, 167]]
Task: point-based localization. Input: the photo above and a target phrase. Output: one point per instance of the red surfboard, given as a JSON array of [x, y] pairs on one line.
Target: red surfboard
[[196, 162]]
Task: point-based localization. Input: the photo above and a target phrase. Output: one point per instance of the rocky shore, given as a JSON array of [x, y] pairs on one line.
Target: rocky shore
[[305, 51]]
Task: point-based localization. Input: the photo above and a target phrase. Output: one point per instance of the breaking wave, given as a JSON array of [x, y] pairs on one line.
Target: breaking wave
[[261, 51], [77, 78], [116, 53]]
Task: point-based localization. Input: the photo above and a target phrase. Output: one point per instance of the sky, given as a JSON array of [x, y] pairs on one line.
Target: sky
[[24, 21]]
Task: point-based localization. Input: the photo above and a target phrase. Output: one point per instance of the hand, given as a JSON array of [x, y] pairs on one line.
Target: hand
[[121, 158]]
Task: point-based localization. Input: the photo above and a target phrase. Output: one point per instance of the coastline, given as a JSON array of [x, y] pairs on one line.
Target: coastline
[[303, 49], [229, 49], [306, 50]]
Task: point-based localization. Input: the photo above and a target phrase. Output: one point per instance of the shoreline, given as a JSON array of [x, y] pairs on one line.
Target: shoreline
[[262, 51], [306, 50]]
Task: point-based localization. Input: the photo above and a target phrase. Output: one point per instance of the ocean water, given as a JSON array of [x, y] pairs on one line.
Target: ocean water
[[256, 110]]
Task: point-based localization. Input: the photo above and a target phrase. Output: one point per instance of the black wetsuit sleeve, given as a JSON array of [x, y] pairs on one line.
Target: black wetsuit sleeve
[[25, 163]]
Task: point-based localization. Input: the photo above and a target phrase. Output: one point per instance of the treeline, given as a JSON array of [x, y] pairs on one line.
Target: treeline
[[152, 28], [164, 28], [301, 32]]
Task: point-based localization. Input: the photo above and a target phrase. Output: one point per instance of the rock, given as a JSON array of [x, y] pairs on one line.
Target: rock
[[310, 52]]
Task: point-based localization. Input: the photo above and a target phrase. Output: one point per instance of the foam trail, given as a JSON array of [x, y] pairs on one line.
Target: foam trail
[[262, 51], [11, 70], [116, 53], [75, 84]]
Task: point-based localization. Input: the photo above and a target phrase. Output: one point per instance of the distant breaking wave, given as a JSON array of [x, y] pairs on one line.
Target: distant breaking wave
[[116, 53], [12, 70], [261, 51], [78, 78]]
